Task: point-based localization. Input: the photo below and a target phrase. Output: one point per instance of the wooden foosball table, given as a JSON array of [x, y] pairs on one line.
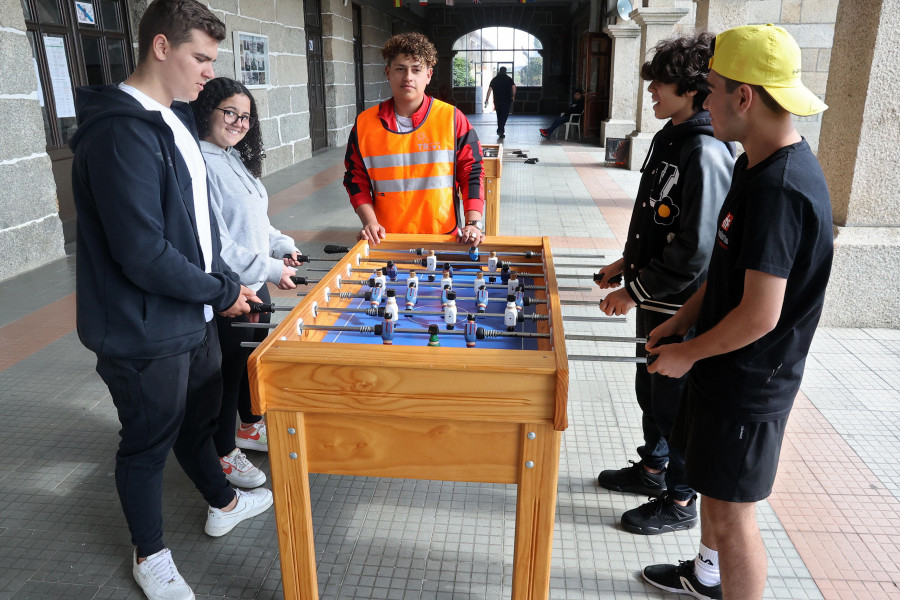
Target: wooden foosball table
[[342, 395]]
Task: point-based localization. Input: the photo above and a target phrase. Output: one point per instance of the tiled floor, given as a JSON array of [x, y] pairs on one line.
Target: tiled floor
[[830, 527]]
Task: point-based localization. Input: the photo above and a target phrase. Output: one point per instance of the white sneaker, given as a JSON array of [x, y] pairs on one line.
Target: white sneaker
[[249, 504], [240, 472], [159, 578], [252, 437]]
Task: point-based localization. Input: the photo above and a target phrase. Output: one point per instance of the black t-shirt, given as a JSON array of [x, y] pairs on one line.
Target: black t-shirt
[[502, 86], [775, 219]]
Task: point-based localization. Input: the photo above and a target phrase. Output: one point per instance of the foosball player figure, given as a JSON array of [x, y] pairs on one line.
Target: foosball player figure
[[412, 293], [375, 297], [412, 278], [444, 293], [431, 264], [391, 270], [450, 311], [510, 315], [512, 283], [390, 303], [520, 298], [382, 277], [433, 335], [449, 268], [481, 299], [470, 331], [504, 273], [473, 253], [387, 328], [479, 282], [492, 267], [447, 279]]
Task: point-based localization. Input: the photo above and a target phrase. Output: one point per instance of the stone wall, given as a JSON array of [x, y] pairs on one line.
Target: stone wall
[[340, 90], [30, 230], [376, 30], [284, 105]]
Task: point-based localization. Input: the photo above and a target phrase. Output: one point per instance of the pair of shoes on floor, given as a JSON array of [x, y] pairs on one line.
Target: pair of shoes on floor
[[634, 480], [661, 515], [239, 471], [530, 161], [544, 134], [252, 437], [159, 578], [680, 579], [249, 504]]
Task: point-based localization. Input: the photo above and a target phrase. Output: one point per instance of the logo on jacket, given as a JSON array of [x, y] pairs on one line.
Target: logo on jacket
[[664, 208], [726, 222]]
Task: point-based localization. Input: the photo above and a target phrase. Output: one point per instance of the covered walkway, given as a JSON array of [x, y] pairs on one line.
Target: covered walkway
[[827, 528]]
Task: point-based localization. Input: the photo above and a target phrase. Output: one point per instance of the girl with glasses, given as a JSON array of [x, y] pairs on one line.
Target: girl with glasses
[[232, 146]]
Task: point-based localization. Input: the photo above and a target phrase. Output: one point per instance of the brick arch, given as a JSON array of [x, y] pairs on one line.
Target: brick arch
[[549, 24]]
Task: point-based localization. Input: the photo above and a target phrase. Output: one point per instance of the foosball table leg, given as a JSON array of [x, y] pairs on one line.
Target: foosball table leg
[[293, 505], [535, 511]]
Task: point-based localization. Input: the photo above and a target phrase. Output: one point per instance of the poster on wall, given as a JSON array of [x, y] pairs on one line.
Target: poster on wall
[[251, 59], [60, 81]]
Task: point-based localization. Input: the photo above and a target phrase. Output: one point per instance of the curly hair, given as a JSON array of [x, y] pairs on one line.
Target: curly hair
[[413, 44], [176, 19], [214, 92], [683, 61]]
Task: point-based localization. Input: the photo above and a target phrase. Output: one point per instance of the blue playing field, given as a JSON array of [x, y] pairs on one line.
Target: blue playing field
[[429, 300]]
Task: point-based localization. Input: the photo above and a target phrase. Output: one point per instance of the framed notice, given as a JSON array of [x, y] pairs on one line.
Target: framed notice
[[251, 59]]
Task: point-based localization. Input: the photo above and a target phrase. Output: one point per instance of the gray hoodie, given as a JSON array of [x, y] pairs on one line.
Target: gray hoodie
[[250, 245]]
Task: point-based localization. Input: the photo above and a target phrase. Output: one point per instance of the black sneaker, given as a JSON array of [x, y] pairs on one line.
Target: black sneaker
[[634, 480], [680, 580], [660, 515]]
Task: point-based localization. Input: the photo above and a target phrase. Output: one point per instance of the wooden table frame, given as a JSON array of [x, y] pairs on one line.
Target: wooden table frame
[[399, 411]]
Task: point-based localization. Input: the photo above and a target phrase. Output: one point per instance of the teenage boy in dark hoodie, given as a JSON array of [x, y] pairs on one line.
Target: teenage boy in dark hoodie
[[149, 277], [685, 179]]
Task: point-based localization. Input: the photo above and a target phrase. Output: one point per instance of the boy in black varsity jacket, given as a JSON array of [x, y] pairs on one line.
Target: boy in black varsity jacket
[[685, 179]]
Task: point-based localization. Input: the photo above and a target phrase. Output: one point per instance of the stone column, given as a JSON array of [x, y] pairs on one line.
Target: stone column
[[657, 23], [623, 77], [716, 16], [859, 151], [30, 230]]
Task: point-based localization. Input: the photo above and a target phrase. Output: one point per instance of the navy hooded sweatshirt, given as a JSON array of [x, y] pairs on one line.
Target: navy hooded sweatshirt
[[140, 280]]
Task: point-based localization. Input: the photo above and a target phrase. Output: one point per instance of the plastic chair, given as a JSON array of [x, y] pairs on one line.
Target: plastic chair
[[574, 122]]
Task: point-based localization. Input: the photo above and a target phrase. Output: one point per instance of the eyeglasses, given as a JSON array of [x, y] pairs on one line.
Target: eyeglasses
[[232, 117]]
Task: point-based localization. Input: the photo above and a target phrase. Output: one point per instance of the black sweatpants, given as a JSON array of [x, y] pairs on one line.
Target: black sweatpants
[[165, 403], [235, 381]]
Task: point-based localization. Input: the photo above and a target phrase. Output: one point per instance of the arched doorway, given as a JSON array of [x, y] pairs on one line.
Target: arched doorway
[[478, 56]]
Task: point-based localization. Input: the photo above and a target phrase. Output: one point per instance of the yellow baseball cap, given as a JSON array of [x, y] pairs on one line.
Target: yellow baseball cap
[[766, 55]]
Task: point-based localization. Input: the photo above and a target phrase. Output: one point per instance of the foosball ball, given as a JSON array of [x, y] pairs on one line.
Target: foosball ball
[[422, 359]]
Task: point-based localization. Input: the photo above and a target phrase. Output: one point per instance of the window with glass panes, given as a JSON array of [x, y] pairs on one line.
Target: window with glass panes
[[75, 43], [480, 54]]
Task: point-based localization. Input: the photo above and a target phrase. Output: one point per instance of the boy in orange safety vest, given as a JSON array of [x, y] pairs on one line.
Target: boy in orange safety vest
[[412, 158]]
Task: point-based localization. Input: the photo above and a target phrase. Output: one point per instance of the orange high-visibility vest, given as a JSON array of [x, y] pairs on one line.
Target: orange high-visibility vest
[[413, 175]]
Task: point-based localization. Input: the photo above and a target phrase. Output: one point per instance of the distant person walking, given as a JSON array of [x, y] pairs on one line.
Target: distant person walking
[[504, 94]]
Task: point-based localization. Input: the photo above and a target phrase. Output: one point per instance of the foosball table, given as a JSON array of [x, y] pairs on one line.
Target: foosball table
[[459, 381]]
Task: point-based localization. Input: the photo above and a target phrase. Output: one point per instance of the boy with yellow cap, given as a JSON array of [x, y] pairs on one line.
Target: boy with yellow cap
[[755, 315]]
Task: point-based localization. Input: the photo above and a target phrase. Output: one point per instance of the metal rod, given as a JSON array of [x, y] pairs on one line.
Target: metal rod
[[580, 302], [483, 249], [594, 319], [583, 337], [371, 330], [622, 359], [570, 255], [574, 288], [575, 266], [379, 312], [249, 344], [254, 325]]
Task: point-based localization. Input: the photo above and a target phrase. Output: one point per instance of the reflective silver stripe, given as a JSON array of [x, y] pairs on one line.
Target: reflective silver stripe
[[408, 159], [413, 184]]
